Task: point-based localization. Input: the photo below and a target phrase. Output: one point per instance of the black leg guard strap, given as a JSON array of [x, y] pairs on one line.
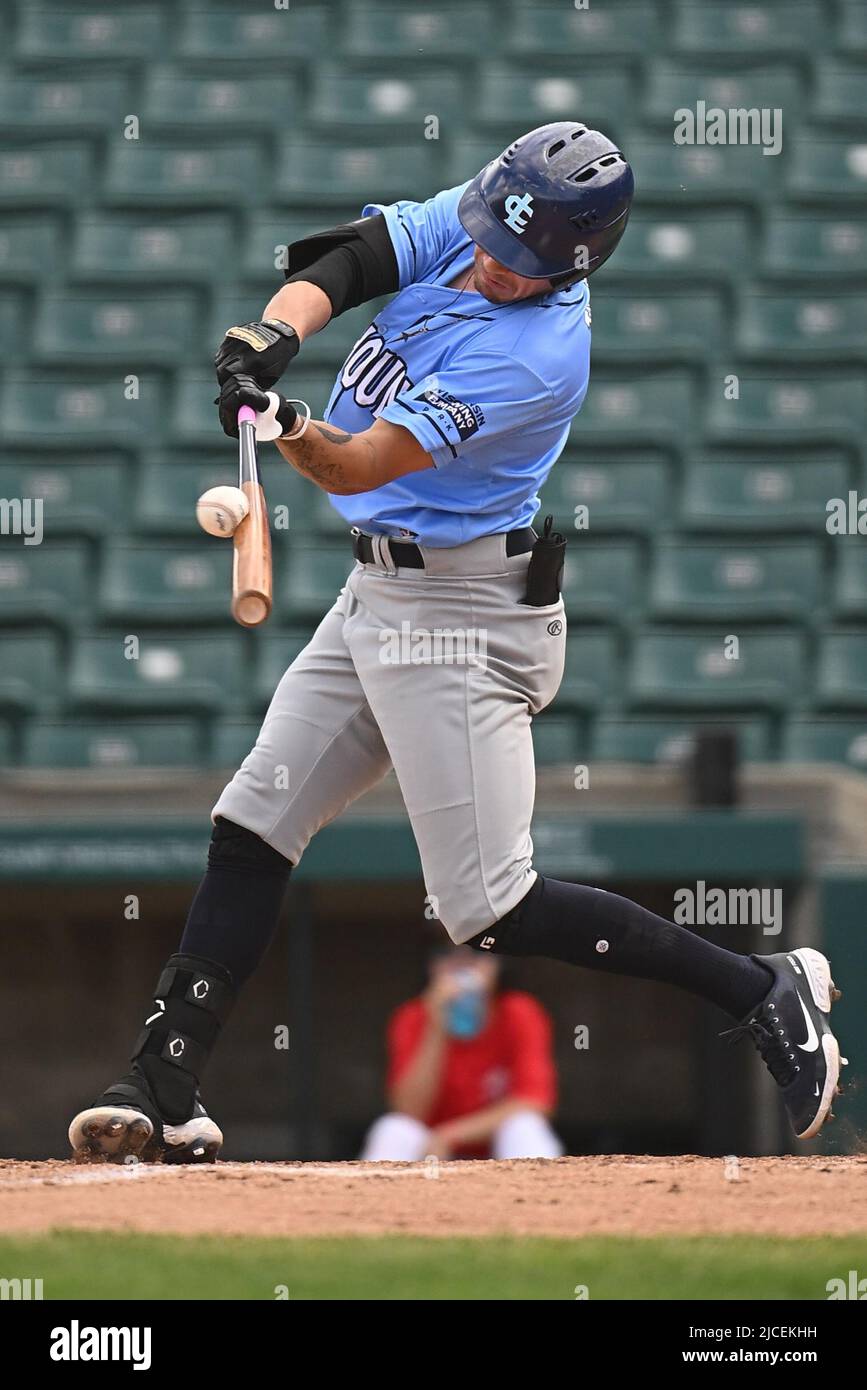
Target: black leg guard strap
[[192, 1000], [235, 912], [602, 931]]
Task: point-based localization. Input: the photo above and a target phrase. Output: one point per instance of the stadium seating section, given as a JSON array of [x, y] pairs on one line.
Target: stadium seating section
[[158, 157]]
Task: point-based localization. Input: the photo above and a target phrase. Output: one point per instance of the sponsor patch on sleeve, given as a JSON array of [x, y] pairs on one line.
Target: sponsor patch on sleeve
[[454, 416]]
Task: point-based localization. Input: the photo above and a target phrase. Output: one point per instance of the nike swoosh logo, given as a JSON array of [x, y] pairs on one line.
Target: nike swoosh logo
[[812, 1036]]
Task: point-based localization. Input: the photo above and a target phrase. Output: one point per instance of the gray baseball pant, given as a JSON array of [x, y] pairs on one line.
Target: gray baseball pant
[[434, 672]]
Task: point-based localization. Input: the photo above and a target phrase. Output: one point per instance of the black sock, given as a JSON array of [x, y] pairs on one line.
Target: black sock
[[234, 914], [602, 931]]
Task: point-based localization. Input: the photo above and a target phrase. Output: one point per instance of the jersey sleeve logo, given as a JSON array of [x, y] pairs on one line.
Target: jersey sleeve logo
[[519, 210], [465, 419]]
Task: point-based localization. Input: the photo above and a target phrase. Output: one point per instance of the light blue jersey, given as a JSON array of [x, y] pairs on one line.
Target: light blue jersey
[[488, 390]]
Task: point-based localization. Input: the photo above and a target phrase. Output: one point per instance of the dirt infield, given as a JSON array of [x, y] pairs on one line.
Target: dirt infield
[[565, 1197]]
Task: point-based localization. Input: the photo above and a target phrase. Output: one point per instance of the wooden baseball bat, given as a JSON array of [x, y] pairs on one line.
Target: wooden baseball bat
[[251, 573]]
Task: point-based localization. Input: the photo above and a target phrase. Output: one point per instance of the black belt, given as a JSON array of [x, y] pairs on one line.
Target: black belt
[[407, 555]]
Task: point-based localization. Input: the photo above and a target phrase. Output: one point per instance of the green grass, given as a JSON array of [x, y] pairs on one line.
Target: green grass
[[104, 1265]]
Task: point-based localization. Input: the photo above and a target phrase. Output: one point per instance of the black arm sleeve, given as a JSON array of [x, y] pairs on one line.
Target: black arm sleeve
[[351, 263]]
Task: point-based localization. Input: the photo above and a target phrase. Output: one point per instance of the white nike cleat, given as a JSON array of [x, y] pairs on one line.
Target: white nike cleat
[[791, 1031]]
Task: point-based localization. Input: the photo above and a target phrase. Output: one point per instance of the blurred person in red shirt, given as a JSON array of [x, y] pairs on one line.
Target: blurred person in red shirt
[[470, 1069]]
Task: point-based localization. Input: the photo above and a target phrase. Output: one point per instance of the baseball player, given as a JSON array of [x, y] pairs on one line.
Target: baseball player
[[449, 634]]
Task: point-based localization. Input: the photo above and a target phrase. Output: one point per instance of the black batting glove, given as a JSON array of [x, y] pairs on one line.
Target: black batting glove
[[259, 350], [242, 390]]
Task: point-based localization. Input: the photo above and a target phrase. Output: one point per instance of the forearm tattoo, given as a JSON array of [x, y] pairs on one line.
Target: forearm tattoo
[[317, 461]]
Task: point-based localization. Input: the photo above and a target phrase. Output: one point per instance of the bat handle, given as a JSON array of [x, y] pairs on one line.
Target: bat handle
[[246, 415]]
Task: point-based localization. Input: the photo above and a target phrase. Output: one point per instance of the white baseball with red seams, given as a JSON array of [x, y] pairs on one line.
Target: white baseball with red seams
[[220, 510]]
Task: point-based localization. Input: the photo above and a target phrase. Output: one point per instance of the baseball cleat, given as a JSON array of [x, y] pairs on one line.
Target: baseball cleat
[[790, 1029], [125, 1124]]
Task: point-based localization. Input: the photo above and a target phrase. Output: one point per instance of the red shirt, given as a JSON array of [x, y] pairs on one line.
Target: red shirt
[[509, 1060]]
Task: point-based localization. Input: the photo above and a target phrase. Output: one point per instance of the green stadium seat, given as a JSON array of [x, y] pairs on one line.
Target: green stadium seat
[[39, 409], [313, 577], [619, 494], [827, 167], [269, 233], [45, 175], [826, 741], [698, 242], [395, 35], [751, 29], [80, 494], [30, 671], [92, 32], [27, 246], [7, 743], [602, 580], [94, 326], [231, 741], [166, 582], [636, 406], [514, 98], [552, 31], [689, 174], [643, 740], [62, 105], [376, 101], [325, 172], [789, 409], [688, 670], [224, 32], [118, 247], [172, 671], [465, 154], [226, 104], [11, 316], [853, 27], [49, 582], [813, 244], [151, 173], [763, 492], [590, 677], [703, 580], [850, 582], [778, 323], [673, 86], [841, 94], [324, 517], [124, 743], [168, 485], [276, 652], [558, 739], [841, 681], [627, 323]]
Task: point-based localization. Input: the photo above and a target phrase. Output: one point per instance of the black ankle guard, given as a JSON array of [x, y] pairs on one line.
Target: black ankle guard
[[192, 1000]]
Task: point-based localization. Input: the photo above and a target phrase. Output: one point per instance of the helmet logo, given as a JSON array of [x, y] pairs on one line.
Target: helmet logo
[[519, 211]]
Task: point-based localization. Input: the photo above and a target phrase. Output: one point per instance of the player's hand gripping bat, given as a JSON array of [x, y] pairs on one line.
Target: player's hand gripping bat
[[251, 577]]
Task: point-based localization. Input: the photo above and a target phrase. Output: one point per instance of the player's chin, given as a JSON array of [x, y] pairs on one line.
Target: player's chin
[[497, 294]]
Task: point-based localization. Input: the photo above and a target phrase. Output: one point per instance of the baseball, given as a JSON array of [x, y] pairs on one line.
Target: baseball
[[221, 510]]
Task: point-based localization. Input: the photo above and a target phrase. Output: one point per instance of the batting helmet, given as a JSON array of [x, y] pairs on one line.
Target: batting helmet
[[553, 205]]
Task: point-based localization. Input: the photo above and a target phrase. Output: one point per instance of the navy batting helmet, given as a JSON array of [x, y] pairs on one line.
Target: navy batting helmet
[[553, 205]]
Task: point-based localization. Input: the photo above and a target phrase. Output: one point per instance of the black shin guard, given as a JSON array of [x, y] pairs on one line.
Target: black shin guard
[[602, 931], [192, 1000], [235, 911]]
